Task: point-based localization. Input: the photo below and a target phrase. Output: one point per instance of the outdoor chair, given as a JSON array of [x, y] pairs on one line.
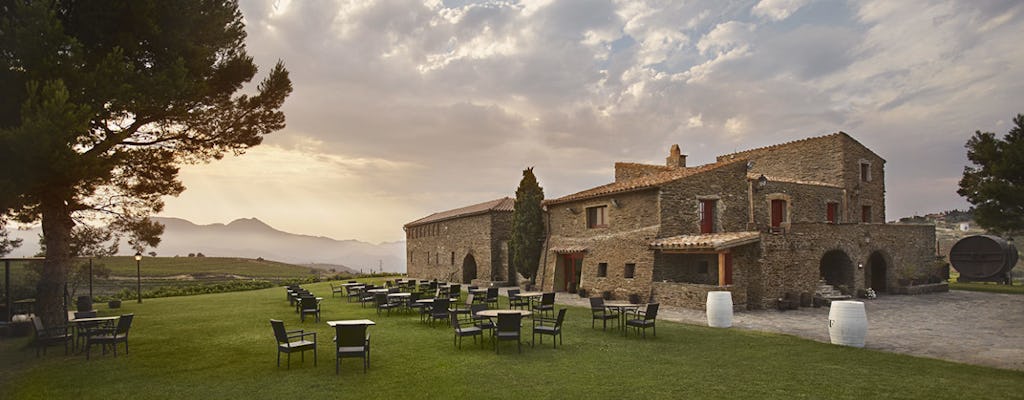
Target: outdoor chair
[[337, 289], [351, 341], [111, 337], [353, 293], [455, 291], [541, 327], [492, 297], [285, 344], [383, 304], [508, 329], [484, 323], [645, 319], [412, 303], [309, 305], [461, 331], [366, 296], [470, 298], [51, 336], [516, 302], [547, 303], [599, 312], [439, 310]]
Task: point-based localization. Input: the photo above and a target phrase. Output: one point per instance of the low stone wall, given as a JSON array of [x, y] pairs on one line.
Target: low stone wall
[[921, 289], [695, 296]]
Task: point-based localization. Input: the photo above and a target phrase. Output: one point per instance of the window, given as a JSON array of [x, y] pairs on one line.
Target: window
[[778, 213], [865, 214], [702, 267], [453, 258], [629, 271], [597, 217], [436, 258], [832, 213], [602, 270], [428, 258], [865, 171], [707, 216]]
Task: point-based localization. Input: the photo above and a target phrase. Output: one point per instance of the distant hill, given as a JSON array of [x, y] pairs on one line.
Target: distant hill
[[252, 238]]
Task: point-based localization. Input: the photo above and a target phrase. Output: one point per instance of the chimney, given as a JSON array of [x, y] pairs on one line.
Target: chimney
[[675, 158]]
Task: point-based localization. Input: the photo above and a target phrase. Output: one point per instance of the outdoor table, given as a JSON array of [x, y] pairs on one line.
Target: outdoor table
[[351, 284], [77, 323], [530, 297], [399, 294], [493, 313], [622, 306], [351, 322], [431, 301], [377, 291]]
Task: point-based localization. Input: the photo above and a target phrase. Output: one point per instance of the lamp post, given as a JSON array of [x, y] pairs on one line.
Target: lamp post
[[138, 274]]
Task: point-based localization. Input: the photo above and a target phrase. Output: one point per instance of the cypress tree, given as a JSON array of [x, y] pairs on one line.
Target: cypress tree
[[527, 228]]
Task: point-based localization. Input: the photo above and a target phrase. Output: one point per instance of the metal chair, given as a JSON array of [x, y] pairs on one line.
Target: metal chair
[[539, 328], [285, 344], [309, 305], [492, 297], [461, 331], [112, 337], [516, 302], [439, 310], [547, 303], [645, 319], [599, 312], [50, 336], [508, 327], [351, 341]]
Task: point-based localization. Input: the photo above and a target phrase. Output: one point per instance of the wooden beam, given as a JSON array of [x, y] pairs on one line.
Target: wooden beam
[[721, 268]]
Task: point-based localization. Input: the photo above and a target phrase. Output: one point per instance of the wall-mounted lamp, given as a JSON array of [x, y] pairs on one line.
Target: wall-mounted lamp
[[860, 266], [572, 210], [762, 181], [615, 203]]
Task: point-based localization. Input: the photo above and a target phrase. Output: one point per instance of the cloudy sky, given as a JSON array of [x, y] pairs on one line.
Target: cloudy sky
[[404, 108]]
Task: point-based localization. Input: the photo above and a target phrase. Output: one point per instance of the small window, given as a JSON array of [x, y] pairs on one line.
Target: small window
[[428, 258], [602, 270], [865, 214], [832, 213], [453, 258], [629, 271], [865, 172], [597, 217], [702, 267], [436, 259]]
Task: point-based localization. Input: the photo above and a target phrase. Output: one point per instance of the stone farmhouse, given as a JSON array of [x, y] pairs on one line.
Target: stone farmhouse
[[462, 245], [764, 224]]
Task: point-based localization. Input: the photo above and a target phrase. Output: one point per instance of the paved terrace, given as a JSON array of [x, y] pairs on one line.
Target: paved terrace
[[967, 327]]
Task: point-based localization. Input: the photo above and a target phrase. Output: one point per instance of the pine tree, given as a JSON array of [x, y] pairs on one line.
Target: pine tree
[[995, 184], [527, 228]]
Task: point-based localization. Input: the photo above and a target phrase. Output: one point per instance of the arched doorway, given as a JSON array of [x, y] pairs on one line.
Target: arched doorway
[[468, 269], [836, 269], [875, 274]]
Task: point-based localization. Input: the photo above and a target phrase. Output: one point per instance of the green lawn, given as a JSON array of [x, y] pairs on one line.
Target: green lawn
[[171, 266], [991, 287], [221, 346]]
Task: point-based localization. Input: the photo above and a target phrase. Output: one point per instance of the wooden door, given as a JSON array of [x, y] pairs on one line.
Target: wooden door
[[778, 212]]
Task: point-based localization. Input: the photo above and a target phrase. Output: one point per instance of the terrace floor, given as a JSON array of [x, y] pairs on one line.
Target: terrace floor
[[962, 326]]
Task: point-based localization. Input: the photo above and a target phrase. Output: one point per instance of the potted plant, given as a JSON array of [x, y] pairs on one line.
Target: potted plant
[[583, 293], [115, 303]]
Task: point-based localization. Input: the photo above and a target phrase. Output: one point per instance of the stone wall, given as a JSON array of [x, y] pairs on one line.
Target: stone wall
[[680, 201], [439, 250], [791, 262], [625, 171], [625, 240], [805, 203], [694, 296]]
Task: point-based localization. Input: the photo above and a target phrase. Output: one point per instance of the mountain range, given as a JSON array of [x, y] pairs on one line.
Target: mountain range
[[252, 238]]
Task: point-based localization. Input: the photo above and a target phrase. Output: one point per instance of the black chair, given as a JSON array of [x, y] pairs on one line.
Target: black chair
[[309, 305], [547, 303], [645, 319], [540, 327], [412, 302], [366, 296], [470, 298], [337, 289], [492, 297], [439, 310], [351, 341], [455, 291], [461, 331], [353, 292], [111, 337], [484, 323], [51, 336], [285, 344], [599, 312], [508, 328], [516, 302], [383, 304]]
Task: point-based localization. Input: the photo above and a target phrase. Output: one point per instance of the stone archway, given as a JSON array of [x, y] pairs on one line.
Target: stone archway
[[468, 269], [836, 269], [875, 275]]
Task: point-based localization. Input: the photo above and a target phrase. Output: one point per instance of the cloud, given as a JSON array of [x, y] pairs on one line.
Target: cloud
[[402, 108]]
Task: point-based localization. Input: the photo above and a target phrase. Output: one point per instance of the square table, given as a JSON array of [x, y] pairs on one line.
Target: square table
[[351, 322], [622, 307]]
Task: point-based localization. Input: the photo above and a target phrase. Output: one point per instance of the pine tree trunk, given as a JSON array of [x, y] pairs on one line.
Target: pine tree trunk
[[57, 226]]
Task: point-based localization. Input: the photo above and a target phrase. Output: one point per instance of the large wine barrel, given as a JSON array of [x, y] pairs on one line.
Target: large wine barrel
[[983, 257], [847, 323]]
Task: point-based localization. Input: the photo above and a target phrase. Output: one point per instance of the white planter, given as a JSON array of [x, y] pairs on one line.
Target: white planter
[[719, 309], [847, 323]]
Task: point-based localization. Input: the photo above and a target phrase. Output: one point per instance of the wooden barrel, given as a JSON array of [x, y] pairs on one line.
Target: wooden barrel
[[983, 257], [719, 309], [847, 323]]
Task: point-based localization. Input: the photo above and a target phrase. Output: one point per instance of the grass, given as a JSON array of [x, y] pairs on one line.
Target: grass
[[991, 287], [172, 266], [221, 346]]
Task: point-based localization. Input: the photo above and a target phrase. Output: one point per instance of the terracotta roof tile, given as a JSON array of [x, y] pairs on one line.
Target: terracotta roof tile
[[710, 241], [642, 182], [504, 204]]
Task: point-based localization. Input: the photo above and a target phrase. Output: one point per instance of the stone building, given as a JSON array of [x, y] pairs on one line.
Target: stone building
[[761, 224], [468, 244]]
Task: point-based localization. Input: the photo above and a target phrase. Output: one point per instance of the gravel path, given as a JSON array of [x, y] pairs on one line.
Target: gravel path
[[968, 327]]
